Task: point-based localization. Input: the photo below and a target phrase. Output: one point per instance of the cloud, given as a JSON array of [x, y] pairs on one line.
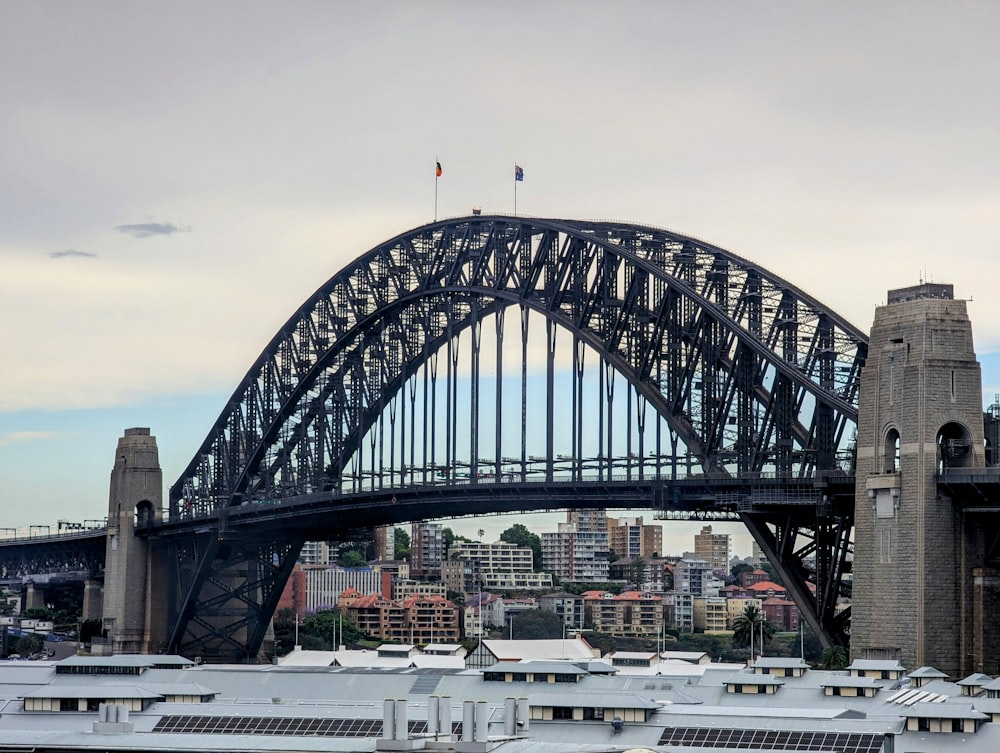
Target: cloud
[[149, 229], [9, 438], [70, 252]]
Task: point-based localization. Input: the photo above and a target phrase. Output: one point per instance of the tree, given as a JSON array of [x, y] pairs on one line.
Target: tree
[[324, 625], [29, 644], [637, 572], [37, 613], [534, 624], [749, 626], [739, 569], [402, 544], [352, 558], [519, 535], [834, 657], [450, 537]]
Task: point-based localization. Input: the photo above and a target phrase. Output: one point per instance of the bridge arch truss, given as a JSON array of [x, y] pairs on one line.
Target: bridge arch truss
[[741, 373]]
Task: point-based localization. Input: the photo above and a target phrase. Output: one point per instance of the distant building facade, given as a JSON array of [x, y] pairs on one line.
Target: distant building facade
[[628, 537], [629, 614], [417, 619], [324, 585], [578, 551], [714, 548], [426, 550]]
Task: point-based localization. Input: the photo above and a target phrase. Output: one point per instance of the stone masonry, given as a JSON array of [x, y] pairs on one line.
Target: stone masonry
[[920, 410], [136, 494]]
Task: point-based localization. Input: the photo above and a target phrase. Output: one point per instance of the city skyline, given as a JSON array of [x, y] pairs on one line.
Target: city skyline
[[185, 177]]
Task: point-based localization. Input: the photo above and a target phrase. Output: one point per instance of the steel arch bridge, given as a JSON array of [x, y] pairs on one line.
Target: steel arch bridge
[[733, 379]]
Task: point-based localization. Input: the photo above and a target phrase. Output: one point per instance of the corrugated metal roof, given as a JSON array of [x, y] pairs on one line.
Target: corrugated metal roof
[[102, 691]]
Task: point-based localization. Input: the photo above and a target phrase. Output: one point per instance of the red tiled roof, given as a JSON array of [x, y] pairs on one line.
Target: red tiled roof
[[766, 585]]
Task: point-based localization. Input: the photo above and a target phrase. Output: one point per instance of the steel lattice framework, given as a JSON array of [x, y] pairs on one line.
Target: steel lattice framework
[[749, 374]]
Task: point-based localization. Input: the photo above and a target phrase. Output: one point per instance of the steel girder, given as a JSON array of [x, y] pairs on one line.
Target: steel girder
[[50, 555], [750, 373]]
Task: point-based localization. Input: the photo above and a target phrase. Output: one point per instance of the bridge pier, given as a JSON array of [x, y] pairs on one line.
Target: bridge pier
[[136, 496], [93, 600], [920, 413], [34, 597]]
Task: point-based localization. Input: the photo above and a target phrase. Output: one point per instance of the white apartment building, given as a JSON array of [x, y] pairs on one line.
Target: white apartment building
[[405, 588], [325, 584], [495, 566], [578, 551], [315, 553]]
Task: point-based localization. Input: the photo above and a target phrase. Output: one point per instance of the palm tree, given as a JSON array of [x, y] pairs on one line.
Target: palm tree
[[749, 625], [834, 657]]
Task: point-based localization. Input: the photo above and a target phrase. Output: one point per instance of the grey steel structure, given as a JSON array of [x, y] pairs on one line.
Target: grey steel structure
[[743, 375], [689, 380]]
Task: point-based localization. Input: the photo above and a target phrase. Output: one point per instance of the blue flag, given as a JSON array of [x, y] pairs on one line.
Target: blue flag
[[518, 173]]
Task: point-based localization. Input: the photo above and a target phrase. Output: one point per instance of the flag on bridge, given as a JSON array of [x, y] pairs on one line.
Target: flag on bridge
[[437, 170], [518, 173]]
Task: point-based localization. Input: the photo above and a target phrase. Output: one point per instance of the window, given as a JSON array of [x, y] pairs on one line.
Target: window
[[891, 452]]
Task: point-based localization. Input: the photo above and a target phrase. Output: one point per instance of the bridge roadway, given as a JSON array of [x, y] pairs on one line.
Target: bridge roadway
[[329, 515], [805, 524], [65, 556]]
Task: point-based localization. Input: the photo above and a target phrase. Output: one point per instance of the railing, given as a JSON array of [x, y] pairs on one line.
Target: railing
[[64, 529]]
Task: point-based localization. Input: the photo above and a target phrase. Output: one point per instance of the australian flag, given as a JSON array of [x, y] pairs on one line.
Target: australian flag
[[518, 173]]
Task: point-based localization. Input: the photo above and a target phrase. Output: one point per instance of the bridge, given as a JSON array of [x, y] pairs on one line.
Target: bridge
[[492, 364]]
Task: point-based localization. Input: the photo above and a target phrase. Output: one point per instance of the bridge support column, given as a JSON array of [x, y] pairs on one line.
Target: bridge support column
[[920, 412], [136, 497], [93, 600], [985, 629], [33, 597]]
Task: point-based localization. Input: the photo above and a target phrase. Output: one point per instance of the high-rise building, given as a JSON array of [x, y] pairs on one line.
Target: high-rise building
[[315, 553], [385, 543], [426, 550], [714, 548], [578, 551], [628, 537]]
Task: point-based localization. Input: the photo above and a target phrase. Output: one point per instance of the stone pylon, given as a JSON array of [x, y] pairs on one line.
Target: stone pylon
[[136, 497], [920, 412]]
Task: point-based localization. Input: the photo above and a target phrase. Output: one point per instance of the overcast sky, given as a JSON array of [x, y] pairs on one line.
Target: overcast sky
[[177, 177]]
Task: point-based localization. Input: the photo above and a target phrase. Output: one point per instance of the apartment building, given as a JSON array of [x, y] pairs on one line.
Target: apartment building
[[629, 614], [628, 537], [404, 588], [714, 548], [417, 619], [325, 584], [736, 607], [710, 613], [567, 606], [426, 550], [693, 575], [578, 551], [385, 543]]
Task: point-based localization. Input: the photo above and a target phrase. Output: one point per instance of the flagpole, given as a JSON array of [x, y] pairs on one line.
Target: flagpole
[[515, 190], [437, 177]]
